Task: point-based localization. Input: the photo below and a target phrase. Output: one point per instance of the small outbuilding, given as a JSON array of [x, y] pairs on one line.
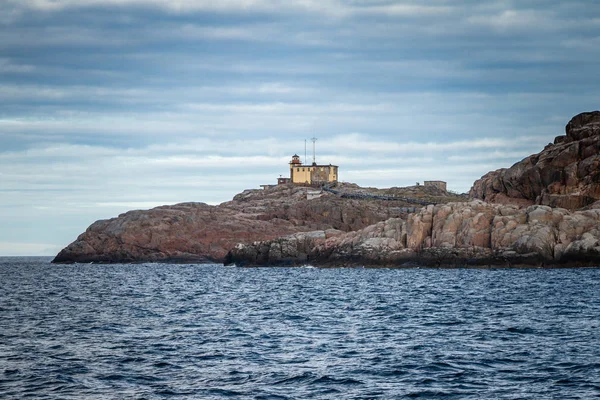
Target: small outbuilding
[[438, 184]]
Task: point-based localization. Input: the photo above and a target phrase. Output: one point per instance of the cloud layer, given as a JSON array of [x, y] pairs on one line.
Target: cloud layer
[[119, 104]]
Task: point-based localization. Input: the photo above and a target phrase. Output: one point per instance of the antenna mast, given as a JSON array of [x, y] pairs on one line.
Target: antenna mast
[[314, 140]]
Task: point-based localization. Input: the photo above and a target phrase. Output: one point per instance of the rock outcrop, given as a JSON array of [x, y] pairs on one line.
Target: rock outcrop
[[528, 218], [193, 232], [197, 232], [565, 174], [455, 234], [295, 249]]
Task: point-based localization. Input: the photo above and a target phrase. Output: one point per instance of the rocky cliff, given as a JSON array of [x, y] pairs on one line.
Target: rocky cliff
[[565, 174], [536, 225], [528, 218], [454, 234], [198, 232]]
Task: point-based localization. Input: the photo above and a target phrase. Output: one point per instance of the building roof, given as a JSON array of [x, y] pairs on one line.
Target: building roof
[[316, 165]]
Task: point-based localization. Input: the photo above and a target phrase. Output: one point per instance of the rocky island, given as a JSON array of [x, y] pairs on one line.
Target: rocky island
[[542, 211], [197, 232]]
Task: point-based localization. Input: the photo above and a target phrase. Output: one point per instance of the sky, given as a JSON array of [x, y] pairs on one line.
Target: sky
[[113, 105]]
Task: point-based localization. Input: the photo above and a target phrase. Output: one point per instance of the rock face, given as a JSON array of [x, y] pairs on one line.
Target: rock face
[[565, 174], [281, 226], [197, 232], [507, 229], [295, 249], [183, 232], [472, 233]]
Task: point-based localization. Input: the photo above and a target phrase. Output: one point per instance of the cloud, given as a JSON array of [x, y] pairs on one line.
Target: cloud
[[330, 7], [131, 175], [511, 20], [363, 143], [7, 66], [496, 154], [106, 105], [28, 249]]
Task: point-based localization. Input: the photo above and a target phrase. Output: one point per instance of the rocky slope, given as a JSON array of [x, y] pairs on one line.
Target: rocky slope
[[468, 233], [528, 218], [565, 174], [281, 226], [431, 194], [198, 232]]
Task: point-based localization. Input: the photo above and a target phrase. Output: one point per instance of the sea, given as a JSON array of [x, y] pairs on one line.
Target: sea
[[187, 331]]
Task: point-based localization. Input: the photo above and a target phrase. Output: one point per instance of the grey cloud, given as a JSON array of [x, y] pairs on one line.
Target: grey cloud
[[106, 105]]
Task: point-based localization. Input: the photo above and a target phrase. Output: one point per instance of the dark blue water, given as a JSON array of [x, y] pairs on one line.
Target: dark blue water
[[208, 331]]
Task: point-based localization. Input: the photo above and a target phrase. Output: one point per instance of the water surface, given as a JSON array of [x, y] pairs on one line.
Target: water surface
[[207, 331]]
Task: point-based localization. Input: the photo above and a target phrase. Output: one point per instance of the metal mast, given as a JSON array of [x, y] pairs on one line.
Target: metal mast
[[314, 140]]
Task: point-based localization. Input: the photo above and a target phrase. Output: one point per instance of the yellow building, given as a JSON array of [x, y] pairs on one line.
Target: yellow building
[[312, 174]]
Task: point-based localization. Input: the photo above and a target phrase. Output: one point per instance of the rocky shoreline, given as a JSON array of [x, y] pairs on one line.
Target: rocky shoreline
[[197, 232], [544, 211], [456, 234]]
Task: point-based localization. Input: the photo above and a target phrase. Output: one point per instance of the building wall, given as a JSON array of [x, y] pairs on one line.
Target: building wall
[[300, 174], [313, 194], [265, 187], [308, 174], [439, 184]]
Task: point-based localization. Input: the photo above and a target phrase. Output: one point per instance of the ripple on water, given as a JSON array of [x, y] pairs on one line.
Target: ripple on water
[[205, 331]]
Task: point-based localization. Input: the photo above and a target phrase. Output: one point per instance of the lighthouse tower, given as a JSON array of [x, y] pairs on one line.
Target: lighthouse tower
[[295, 161]]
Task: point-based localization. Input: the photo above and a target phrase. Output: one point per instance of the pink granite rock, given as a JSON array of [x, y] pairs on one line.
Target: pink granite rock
[[564, 174], [471, 233]]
